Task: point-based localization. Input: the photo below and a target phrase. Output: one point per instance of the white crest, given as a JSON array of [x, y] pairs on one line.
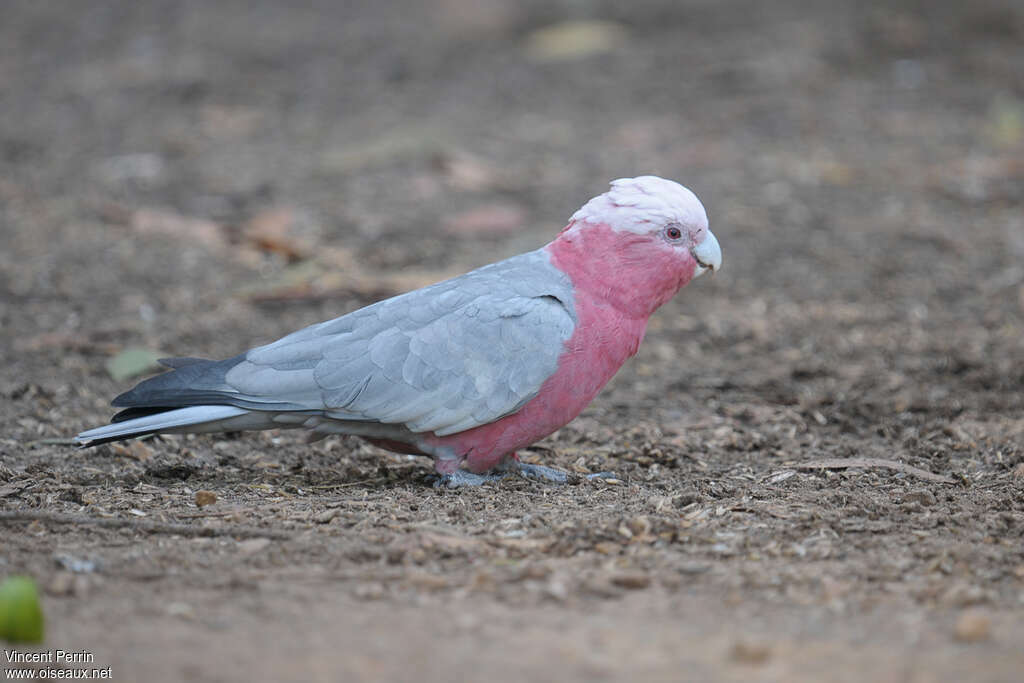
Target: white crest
[[637, 204]]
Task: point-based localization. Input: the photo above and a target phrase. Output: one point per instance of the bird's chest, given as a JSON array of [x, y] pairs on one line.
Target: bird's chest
[[603, 340]]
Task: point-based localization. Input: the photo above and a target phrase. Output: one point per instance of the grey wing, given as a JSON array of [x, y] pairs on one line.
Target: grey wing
[[444, 363], [445, 358]]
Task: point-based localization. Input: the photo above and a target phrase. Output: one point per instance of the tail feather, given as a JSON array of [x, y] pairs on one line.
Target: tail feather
[[191, 419], [132, 413], [192, 382]]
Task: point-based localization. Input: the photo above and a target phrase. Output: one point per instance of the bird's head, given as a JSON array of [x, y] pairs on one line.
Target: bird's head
[[639, 242]]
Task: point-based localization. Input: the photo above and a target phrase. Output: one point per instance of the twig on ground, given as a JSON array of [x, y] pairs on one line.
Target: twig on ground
[[144, 526], [842, 463], [212, 513]]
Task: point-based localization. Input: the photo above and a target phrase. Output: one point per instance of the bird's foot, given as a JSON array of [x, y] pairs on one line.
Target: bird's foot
[[553, 475], [529, 471], [458, 478], [540, 472]]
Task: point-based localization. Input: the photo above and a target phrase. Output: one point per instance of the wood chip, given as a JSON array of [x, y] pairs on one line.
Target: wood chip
[[631, 580], [204, 498], [135, 449]]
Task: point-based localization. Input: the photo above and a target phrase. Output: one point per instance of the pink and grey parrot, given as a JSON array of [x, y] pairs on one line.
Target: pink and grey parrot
[[467, 370]]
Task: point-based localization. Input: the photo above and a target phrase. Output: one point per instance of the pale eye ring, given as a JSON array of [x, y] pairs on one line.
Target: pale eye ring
[[673, 232]]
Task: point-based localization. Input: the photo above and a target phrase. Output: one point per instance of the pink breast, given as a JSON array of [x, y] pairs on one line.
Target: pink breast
[[603, 340]]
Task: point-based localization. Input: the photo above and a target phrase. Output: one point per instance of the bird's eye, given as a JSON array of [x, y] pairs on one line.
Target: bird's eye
[[673, 233]]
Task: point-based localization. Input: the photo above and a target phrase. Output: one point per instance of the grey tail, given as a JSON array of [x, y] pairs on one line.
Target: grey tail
[[192, 381], [189, 419], [193, 397]]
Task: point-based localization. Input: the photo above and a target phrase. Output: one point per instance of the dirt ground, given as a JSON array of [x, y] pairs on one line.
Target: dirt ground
[[197, 178]]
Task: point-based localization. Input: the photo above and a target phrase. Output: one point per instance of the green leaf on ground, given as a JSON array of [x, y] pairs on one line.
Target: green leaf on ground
[[21, 617], [569, 40], [133, 362]]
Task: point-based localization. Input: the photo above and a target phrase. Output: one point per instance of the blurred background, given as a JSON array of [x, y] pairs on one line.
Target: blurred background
[[844, 150], [196, 178]]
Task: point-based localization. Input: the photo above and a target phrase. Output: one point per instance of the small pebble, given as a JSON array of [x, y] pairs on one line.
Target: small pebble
[[326, 516], [556, 590], [973, 626], [251, 546], [181, 609], [67, 584]]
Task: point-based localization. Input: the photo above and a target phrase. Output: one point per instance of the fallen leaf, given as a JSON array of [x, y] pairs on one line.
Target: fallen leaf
[[133, 362], [276, 230], [574, 40]]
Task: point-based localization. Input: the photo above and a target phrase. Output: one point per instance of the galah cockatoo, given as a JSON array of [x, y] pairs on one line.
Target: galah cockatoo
[[467, 370]]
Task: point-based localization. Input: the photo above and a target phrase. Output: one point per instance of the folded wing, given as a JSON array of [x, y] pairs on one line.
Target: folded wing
[[443, 359]]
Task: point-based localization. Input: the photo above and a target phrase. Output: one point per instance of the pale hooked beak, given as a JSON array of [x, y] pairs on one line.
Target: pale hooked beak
[[707, 254]]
